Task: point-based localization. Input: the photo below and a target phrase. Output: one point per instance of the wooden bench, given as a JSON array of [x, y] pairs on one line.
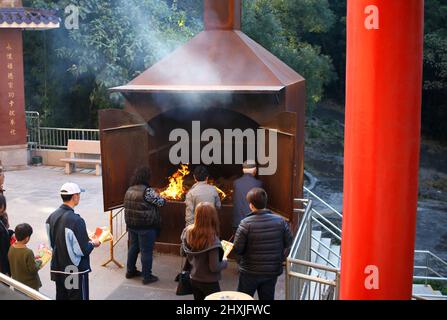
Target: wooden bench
[[78, 147]]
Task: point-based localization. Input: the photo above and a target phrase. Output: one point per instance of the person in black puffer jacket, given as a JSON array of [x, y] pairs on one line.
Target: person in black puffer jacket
[[142, 216], [261, 242]]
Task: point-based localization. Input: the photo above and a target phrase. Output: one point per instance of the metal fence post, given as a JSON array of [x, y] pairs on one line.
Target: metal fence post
[[287, 279]]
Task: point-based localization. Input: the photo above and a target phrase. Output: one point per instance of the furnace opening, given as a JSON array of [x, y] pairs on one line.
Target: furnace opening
[[179, 178]]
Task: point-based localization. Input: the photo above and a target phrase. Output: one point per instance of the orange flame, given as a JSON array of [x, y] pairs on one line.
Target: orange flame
[[222, 194], [176, 190]]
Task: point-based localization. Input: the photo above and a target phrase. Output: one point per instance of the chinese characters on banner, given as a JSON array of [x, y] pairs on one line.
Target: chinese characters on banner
[[11, 93]]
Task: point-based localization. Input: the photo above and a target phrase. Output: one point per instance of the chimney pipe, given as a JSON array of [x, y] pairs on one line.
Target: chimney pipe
[[222, 14]]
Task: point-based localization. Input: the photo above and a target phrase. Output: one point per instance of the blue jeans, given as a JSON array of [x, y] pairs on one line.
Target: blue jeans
[[141, 241], [265, 285]]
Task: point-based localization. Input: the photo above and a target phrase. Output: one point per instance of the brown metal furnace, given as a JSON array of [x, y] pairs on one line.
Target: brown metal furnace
[[225, 80]]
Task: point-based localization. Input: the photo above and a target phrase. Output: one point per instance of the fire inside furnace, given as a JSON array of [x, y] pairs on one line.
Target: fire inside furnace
[[182, 180]]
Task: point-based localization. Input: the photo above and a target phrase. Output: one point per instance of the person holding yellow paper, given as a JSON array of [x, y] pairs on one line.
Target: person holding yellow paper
[[261, 242], [44, 254], [102, 235], [203, 249], [227, 247], [24, 267], [71, 246]]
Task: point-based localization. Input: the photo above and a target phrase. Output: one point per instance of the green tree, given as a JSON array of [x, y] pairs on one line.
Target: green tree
[[282, 30], [434, 111], [115, 42], [71, 71]]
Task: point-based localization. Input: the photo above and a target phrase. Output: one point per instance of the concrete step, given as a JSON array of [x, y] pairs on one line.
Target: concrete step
[[324, 253], [313, 286], [421, 290], [315, 245], [334, 259]]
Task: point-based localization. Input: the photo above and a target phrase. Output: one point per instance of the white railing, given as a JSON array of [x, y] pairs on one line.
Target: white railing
[[54, 138], [303, 280], [19, 287], [33, 126], [57, 138], [311, 287], [429, 269]]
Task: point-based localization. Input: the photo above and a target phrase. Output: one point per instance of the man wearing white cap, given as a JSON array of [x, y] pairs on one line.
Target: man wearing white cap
[[71, 246]]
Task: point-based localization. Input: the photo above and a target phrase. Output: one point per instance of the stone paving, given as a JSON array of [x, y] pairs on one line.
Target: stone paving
[[33, 195]]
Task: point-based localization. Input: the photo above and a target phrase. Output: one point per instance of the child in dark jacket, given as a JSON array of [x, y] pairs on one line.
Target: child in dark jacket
[[201, 244], [24, 267]]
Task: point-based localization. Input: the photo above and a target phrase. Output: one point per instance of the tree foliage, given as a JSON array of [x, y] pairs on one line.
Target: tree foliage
[[434, 112], [277, 28], [115, 42], [118, 39], [68, 72]]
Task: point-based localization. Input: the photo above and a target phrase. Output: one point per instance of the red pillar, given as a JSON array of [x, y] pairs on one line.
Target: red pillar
[[383, 108]]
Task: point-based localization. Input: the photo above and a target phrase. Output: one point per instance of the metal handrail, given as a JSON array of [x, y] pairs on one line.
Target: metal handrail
[[309, 279], [325, 259], [432, 255], [429, 278], [432, 261], [54, 138], [429, 269], [27, 291], [313, 265], [326, 247], [324, 202], [312, 278], [57, 138], [327, 221], [326, 228], [306, 284], [70, 129], [303, 225], [303, 244]]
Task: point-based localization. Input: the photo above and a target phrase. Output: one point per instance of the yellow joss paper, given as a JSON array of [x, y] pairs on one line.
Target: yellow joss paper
[[44, 254], [102, 235], [227, 247]]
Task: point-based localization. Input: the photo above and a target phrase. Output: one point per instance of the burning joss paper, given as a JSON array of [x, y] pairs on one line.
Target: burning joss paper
[[44, 255], [176, 190]]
